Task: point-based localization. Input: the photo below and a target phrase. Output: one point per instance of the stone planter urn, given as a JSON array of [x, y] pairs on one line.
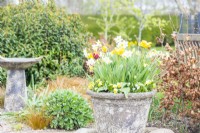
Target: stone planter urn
[[116, 114], [16, 90]]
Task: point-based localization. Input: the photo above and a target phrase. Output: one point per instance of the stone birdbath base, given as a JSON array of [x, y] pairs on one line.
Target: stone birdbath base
[[16, 92]]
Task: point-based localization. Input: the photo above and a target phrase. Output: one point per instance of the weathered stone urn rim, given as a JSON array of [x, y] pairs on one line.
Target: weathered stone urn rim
[[106, 95]]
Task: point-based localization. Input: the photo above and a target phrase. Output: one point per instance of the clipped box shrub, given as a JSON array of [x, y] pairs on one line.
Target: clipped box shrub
[[32, 29], [68, 110]]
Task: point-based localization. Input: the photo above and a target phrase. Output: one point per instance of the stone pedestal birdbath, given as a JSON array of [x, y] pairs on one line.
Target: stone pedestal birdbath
[[16, 91]]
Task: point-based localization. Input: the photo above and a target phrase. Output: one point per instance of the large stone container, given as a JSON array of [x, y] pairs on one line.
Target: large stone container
[[116, 114]]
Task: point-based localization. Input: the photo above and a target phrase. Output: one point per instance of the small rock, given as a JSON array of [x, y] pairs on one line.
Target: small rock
[[162, 130], [150, 129], [86, 130]]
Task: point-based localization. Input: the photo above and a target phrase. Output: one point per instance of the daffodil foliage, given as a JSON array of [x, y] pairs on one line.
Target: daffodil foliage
[[125, 69]]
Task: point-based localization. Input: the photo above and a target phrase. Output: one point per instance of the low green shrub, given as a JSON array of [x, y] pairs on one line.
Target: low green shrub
[[32, 29], [68, 110]]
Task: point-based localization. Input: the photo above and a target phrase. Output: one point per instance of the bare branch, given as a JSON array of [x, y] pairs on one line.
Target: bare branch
[[180, 5]]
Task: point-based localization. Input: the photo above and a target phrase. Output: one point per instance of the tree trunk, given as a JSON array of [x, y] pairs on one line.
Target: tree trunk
[[141, 27]]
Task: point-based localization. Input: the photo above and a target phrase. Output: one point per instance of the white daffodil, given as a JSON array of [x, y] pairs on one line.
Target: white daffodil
[[154, 53], [122, 44], [127, 54], [90, 62], [107, 60], [98, 43], [85, 53], [101, 54], [118, 39], [96, 46]]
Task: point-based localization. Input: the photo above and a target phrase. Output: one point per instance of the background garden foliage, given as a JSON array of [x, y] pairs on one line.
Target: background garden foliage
[[33, 30], [150, 34]]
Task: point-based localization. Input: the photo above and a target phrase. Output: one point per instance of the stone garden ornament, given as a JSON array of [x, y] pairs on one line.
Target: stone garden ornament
[[122, 83], [16, 90]]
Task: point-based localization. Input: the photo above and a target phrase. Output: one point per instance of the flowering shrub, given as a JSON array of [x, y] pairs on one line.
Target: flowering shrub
[[125, 69]]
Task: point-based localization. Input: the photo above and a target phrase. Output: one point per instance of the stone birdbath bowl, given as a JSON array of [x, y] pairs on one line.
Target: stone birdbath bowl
[[16, 90]]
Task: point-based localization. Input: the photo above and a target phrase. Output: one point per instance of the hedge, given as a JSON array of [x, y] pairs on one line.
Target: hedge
[[32, 29]]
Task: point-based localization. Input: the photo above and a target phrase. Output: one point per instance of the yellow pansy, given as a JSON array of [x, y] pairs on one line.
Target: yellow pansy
[[91, 68], [98, 81], [119, 85], [145, 44], [104, 49], [91, 85], [90, 56], [114, 86], [115, 91], [100, 84]]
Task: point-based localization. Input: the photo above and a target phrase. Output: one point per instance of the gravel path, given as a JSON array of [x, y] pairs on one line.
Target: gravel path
[[39, 131]]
